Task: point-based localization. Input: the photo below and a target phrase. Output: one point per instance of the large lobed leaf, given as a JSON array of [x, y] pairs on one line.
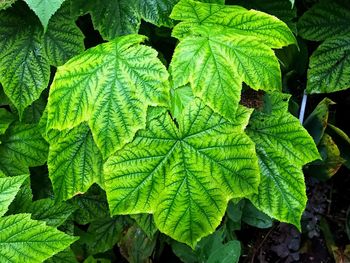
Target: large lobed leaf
[[329, 65], [109, 86], [25, 240], [223, 46], [26, 53], [184, 176], [283, 146]]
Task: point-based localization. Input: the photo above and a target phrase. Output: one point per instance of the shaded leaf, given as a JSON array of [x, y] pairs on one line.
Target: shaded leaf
[[331, 159], [6, 118], [53, 213], [146, 223], [66, 256], [316, 123], [9, 186], [343, 142]]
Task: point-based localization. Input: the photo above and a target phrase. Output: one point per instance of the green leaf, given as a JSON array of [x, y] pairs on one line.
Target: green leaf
[[329, 64], [331, 160], [23, 199], [157, 12], [209, 249], [329, 68], [146, 223], [325, 20], [227, 253], [92, 206], [282, 9], [66, 256], [21, 147], [63, 39], [283, 146], [109, 86], [136, 246], [53, 213], [4, 4], [184, 176], [74, 162], [24, 68], [343, 142], [216, 64], [104, 234], [25, 240], [9, 186], [252, 216], [180, 97], [26, 52], [24, 145], [111, 18], [44, 9], [316, 123], [6, 118], [235, 19]]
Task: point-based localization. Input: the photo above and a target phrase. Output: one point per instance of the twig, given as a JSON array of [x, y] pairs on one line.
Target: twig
[[261, 243]]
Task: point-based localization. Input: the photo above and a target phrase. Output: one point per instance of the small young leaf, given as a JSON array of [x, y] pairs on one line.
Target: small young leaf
[[44, 9], [9, 186], [109, 86], [25, 240], [184, 177]]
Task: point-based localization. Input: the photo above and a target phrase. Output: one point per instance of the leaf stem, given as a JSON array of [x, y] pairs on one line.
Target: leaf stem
[[302, 108]]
